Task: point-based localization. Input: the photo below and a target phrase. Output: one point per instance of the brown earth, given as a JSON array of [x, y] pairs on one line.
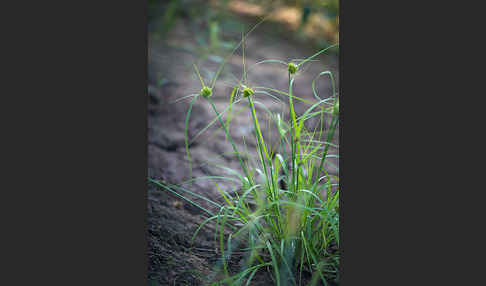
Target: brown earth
[[171, 220]]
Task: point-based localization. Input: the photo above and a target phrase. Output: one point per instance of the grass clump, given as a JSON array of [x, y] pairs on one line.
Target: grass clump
[[285, 217]]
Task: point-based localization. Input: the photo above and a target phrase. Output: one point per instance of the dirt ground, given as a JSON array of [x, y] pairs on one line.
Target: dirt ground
[[172, 221]]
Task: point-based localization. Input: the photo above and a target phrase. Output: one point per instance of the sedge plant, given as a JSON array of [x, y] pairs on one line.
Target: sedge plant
[[285, 216]]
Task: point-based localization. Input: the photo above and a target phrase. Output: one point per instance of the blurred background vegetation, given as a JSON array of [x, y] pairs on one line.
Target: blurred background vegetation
[[314, 22], [215, 26]]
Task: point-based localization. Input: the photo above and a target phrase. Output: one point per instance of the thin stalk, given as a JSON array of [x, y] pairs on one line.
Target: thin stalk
[[333, 125], [186, 137], [243, 166]]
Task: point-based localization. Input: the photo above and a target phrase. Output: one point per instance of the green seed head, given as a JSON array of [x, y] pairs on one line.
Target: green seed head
[[247, 91], [293, 68], [206, 92]]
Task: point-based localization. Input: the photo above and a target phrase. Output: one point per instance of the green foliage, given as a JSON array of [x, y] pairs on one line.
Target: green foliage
[[336, 107], [286, 215], [169, 18]]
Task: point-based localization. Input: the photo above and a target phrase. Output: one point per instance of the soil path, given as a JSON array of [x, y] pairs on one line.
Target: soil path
[[172, 221]]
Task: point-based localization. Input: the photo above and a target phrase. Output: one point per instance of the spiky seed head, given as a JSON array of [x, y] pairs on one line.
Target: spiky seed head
[[293, 68], [247, 91], [206, 92]]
